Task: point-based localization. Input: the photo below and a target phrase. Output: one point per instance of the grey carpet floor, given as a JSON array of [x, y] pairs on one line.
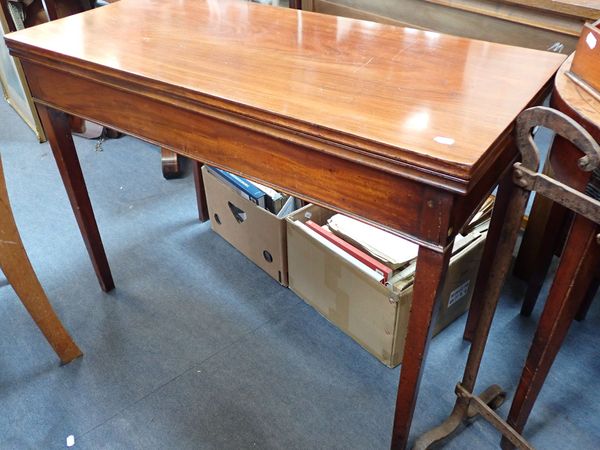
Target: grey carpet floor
[[197, 348]]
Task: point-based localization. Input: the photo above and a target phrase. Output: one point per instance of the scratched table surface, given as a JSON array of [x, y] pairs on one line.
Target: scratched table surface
[[414, 97]]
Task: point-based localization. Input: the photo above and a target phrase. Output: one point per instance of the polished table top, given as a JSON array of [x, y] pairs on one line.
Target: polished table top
[[434, 103], [405, 128]]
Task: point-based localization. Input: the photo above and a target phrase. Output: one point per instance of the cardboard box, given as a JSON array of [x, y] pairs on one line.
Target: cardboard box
[[254, 231], [361, 307]]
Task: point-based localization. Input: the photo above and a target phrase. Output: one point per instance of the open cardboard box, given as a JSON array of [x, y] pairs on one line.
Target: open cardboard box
[[256, 232], [363, 308]]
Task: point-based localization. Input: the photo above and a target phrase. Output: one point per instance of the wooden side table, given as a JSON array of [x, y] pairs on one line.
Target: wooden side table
[[339, 121]]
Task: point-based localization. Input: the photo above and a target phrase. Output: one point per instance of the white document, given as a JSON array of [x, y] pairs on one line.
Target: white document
[[267, 190], [288, 207], [390, 249], [341, 253]]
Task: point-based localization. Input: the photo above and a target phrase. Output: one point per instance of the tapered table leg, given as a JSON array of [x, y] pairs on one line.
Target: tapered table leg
[[532, 242], [56, 125], [578, 266], [429, 278], [17, 269], [502, 237], [200, 193], [550, 236], [489, 252]]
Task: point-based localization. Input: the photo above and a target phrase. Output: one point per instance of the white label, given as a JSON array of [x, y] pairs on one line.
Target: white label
[[591, 41], [458, 293], [444, 140]]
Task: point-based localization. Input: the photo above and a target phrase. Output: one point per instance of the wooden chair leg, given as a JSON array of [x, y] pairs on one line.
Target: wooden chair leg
[[548, 239], [578, 266], [58, 131], [429, 279], [19, 273], [200, 193]]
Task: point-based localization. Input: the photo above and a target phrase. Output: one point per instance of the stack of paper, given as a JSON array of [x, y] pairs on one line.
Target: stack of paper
[[341, 252], [392, 250], [397, 253], [405, 278], [483, 215], [275, 200]]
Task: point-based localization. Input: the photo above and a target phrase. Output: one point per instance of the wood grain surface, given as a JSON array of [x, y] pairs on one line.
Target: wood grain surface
[[420, 98], [405, 128], [593, 5], [579, 100]]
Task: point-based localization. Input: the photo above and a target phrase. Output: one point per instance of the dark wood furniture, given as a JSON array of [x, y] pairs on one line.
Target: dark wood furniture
[[545, 219], [353, 116], [171, 162], [551, 228], [579, 269], [573, 166], [549, 222], [15, 265], [544, 235], [585, 71]]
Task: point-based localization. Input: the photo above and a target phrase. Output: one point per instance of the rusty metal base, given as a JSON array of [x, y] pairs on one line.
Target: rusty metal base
[[464, 411], [467, 408]]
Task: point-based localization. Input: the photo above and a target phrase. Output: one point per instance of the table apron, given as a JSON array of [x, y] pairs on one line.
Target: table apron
[[415, 210]]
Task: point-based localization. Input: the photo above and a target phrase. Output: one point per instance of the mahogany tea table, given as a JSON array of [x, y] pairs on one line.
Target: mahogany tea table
[[405, 128]]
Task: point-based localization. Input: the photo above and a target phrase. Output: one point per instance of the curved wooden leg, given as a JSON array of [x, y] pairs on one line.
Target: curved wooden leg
[[58, 131], [429, 279], [17, 269], [578, 266], [200, 193], [171, 167]]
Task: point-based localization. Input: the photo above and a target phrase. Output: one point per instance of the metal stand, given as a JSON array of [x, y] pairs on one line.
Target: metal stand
[[526, 179]]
